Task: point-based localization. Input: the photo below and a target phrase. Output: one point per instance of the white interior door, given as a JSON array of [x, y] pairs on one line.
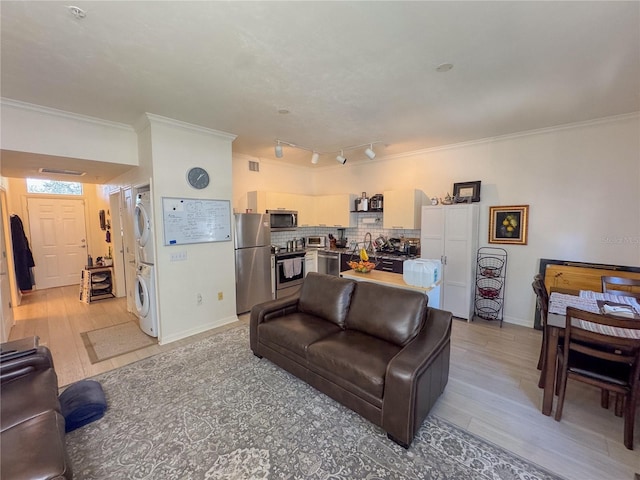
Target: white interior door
[[6, 312], [58, 240], [129, 246]]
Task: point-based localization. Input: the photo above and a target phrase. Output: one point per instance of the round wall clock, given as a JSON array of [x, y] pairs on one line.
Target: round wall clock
[[198, 177]]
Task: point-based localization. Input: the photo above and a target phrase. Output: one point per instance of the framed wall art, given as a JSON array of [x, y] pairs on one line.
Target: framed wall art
[[464, 190], [509, 225]]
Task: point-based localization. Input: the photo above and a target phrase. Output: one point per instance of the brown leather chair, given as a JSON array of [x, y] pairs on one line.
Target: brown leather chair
[[606, 361]]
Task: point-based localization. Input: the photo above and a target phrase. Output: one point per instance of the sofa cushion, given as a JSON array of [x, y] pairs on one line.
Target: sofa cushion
[[28, 396], [295, 331], [353, 360], [326, 296], [391, 314]]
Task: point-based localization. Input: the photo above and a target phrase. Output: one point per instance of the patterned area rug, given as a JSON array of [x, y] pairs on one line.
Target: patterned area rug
[[212, 410], [109, 342]]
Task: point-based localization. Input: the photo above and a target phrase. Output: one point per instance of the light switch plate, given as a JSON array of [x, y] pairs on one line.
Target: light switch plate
[[178, 256]]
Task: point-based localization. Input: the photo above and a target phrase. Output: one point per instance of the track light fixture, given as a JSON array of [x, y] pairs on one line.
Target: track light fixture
[[370, 153], [315, 156]]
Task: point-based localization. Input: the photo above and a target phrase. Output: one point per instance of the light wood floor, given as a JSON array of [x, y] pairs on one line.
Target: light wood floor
[[492, 389]]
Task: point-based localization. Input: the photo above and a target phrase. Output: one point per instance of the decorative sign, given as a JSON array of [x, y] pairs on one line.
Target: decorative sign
[[191, 220]]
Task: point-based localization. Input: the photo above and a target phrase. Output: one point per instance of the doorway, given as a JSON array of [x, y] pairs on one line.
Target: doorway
[[58, 240]]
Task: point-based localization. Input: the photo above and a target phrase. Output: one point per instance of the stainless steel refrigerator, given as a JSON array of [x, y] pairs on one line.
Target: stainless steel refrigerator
[[253, 260]]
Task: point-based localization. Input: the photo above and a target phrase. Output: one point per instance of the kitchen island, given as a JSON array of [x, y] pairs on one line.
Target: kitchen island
[[395, 280]]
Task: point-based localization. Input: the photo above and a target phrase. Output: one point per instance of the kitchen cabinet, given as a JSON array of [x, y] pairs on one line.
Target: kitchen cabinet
[[335, 210], [402, 209], [311, 261], [306, 207], [450, 234], [390, 265], [261, 201]]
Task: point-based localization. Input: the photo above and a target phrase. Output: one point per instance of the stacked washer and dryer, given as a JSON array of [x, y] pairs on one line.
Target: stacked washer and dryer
[[145, 291]]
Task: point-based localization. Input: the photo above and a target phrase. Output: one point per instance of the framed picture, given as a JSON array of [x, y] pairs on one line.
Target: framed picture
[[462, 191], [509, 225]]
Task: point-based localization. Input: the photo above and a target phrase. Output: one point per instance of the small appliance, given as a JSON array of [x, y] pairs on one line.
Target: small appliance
[[282, 220], [319, 241], [375, 202]]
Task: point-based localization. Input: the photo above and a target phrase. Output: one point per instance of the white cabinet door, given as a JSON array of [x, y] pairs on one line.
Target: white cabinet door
[[450, 233], [311, 262], [335, 210], [402, 209]]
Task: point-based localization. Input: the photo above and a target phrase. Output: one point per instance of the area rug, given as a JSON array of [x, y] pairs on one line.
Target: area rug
[[212, 410], [109, 342]]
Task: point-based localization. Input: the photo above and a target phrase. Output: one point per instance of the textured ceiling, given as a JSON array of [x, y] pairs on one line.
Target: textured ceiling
[[349, 72]]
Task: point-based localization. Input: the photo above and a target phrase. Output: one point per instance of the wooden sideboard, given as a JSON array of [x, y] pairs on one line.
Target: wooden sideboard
[[579, 276]]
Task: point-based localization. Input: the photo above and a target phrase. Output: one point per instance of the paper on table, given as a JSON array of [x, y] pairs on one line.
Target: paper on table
[[618, 310]]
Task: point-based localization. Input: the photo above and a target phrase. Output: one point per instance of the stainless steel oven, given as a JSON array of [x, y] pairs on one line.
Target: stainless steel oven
[[289, 273]]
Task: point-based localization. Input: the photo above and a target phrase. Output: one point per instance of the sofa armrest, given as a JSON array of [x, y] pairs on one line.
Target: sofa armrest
[[263, 312], [17, 365], [416, 376]]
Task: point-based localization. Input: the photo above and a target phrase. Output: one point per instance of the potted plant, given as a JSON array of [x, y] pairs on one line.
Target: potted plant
[[108, 259]]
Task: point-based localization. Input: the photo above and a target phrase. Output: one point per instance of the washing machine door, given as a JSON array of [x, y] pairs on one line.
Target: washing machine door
[[142, 225], [143, 302]]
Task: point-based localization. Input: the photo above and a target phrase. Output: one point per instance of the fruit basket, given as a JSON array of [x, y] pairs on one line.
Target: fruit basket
[[489, 287], [488, 309], [363, 258], [490, 266]]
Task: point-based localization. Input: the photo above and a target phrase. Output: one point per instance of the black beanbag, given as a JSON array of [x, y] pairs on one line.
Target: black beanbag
[[82, 403]]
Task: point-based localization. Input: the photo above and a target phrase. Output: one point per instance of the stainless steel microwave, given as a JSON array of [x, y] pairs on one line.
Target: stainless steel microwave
[[283, 219]]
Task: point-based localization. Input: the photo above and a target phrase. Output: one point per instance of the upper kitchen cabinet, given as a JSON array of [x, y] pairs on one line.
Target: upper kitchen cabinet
[[403, 208], [260, 201], [335, 210], [306, 207]]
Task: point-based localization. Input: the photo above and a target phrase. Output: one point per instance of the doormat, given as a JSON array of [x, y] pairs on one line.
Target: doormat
[[109, 342]]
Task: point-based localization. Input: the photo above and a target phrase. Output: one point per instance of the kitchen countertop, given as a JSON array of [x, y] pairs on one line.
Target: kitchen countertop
[[385, 278]]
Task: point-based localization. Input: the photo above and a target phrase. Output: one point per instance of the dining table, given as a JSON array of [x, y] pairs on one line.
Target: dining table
[[556, 322]]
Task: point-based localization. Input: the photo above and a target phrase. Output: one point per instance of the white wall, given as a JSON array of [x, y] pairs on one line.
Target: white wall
[[582, 183], [210, 267]]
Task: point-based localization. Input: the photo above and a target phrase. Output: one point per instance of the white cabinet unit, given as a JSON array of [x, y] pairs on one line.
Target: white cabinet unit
[[450, 233], [335, 210], [402, 208], [311, 262], [260, 201]]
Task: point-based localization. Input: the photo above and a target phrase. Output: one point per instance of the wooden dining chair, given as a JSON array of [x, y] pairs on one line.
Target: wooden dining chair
[[604, 360], [621, 286], [542, 303]]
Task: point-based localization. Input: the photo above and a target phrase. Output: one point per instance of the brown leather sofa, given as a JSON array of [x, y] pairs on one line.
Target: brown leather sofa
[[32, 427], [378, 350]]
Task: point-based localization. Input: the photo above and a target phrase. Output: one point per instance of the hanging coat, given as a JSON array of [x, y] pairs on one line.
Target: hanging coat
[[22, 256]]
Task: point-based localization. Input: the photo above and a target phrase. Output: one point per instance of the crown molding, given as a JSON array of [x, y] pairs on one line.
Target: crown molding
[[63, 114], [152, 118]]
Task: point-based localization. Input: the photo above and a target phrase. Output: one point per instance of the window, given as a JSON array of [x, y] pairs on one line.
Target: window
[[55, 187]]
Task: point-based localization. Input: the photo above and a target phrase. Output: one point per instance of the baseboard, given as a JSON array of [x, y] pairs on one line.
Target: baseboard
[[200, 329]]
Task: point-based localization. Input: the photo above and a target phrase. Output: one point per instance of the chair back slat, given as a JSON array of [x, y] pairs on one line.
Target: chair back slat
[[622, 286]]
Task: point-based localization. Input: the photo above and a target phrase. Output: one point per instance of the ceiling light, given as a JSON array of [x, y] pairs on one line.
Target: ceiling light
[[341, 158], [370, 153], [60, 171], [77, 12], [315, 157], [278, 150]]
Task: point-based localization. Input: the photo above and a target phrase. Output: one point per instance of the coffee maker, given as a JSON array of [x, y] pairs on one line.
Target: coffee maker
[[375, 202]]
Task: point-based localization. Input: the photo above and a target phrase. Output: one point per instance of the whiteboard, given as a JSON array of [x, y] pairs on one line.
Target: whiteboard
[[191, 220]]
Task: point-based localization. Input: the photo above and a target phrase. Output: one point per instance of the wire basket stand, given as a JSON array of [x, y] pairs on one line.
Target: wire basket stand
[[491, 273], [367, 244]]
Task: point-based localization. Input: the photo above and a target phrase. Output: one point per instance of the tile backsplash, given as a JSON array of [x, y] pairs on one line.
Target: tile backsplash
[[354, 234]]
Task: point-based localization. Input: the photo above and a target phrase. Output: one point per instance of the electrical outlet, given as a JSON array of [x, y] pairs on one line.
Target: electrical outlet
[[178, 256], [198, 299], [220, 296]]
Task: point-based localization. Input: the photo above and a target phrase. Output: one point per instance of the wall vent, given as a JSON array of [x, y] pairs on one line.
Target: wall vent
[[60, 171], [254, 166]]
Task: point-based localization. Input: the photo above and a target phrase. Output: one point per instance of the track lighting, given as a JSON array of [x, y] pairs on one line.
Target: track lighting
[[315, 156], [370, 153]]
